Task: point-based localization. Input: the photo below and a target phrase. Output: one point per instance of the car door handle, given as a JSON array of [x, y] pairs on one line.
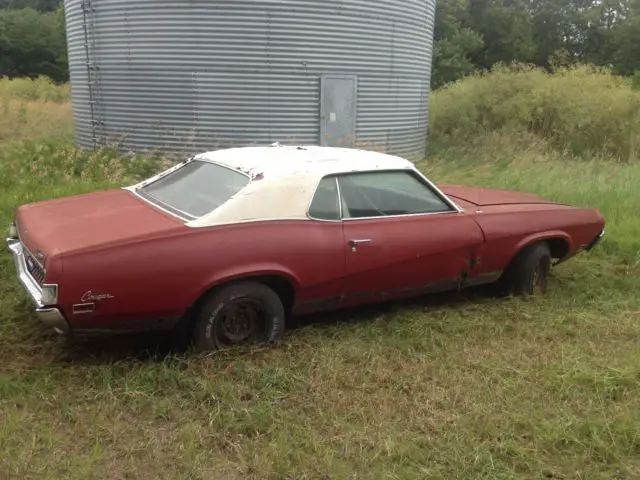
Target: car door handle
[[359, 241]]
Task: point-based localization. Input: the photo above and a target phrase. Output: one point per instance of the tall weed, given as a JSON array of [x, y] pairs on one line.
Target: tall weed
[[582, 110], [635, 80], [22, 119], [37, 89]]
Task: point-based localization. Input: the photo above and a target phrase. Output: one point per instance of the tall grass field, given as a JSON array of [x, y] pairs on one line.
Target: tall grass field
[[456, 386]]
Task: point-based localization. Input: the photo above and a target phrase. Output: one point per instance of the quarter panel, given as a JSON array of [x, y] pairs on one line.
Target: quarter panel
[[164, 277]]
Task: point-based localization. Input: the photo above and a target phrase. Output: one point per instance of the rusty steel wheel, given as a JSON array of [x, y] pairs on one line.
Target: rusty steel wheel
[[239, 314], [241, 320]]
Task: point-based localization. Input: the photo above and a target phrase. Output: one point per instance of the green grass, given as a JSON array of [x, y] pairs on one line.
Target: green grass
[[454, 386]]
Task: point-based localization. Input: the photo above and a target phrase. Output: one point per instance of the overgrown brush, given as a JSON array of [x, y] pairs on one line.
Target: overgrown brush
[[37, 89], [22, 119], [51, 163], [582, 110]]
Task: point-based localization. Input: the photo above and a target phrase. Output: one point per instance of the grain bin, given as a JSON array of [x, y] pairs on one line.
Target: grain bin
[[186, 76]]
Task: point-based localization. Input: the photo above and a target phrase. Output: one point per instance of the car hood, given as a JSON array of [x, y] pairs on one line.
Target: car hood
[[490, 196], [91, 220]]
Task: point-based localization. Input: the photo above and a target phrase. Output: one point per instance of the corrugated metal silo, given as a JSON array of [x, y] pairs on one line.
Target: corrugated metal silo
[[193, 75]]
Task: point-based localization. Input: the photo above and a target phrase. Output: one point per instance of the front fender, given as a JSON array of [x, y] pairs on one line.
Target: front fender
[[542, 236]]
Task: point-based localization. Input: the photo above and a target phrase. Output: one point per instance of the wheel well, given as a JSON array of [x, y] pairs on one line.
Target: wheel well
[[282, 286], [559, 248], [279, 284]]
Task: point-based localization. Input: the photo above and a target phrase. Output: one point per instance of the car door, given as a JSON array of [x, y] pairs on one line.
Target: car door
[[402, 237]]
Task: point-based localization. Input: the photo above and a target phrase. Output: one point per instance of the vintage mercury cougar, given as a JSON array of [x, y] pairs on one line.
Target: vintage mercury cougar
[[227, 244]]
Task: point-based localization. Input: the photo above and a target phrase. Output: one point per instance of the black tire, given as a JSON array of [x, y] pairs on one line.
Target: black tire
[[528, 272], [240, 314]]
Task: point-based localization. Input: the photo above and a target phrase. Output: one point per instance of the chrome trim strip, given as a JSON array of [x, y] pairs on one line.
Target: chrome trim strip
[[408, 215], [155, 205], [160, 204], [159, 175], [339, 198], [83, 308], [197, 158]]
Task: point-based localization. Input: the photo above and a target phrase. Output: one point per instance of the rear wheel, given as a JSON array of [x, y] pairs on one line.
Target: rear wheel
[[528, 272], [240, 314]]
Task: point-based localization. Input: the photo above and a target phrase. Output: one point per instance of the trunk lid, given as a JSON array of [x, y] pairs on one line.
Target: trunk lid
[[87, 221]]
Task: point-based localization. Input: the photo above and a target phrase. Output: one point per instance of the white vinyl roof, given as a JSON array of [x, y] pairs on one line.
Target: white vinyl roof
[[276, 161], [285, 178]]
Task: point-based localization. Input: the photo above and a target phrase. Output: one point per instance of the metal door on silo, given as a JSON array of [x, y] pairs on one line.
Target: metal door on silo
[[338, 108]]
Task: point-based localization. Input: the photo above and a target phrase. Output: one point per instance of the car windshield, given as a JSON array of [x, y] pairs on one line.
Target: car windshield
[[195, 189]]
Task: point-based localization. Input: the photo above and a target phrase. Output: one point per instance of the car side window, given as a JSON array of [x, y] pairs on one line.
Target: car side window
[[325, 204], [385, 193]]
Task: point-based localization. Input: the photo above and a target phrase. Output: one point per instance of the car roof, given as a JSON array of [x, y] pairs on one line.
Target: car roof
[[277, 160], [284, 179]]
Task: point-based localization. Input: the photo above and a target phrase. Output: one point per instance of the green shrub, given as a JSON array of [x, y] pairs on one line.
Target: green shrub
[[582, 110]]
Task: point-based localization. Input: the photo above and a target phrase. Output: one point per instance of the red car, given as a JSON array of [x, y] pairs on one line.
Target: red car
[[229, 243]]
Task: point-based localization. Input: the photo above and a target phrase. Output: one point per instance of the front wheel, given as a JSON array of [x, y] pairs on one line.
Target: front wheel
[[528, 272], [240, 314]]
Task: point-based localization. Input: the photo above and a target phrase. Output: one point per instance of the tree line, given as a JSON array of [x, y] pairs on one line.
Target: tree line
[[32, 39], [477, 34], [469, 35]]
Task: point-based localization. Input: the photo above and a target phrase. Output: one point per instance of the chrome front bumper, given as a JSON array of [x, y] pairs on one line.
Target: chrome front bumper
[[595, 241], [50, 316]]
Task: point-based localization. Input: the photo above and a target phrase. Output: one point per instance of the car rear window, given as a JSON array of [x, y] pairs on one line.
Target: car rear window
[[196, 189]]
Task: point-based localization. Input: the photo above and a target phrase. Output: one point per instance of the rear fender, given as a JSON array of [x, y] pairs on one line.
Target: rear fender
[[248, 271]]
